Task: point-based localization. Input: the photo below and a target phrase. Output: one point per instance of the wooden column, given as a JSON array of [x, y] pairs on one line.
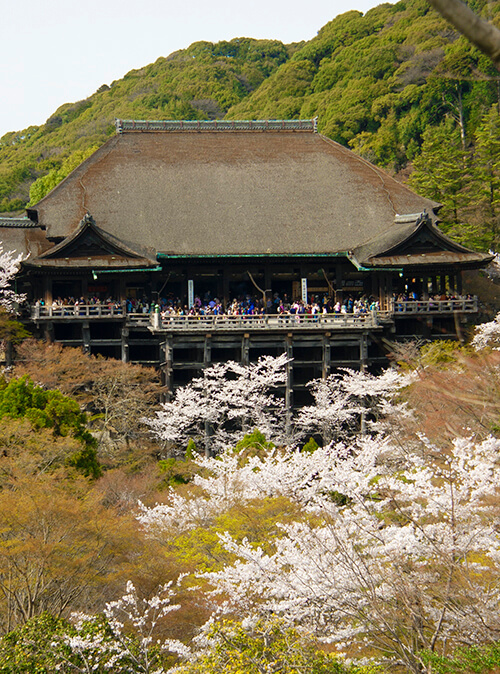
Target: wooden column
[[166, 367], [245, 349], [225, 288], [207, 351], [363, 361], [268, 282], [289, 385], [425, 287], [125, 347], [326, 355], [47, 291], [363, 351], [86, 336]]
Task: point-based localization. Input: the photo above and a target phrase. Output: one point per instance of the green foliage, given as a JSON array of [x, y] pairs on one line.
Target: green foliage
[[200, 547], [467, 660], [28, 649], [50, 409], [175, 472], [46, 183], [10, 329], [311, 446], [439, 354], [85, 461], [266, 646], [396, 84], [191, 450], [45, 409], [253, 444]]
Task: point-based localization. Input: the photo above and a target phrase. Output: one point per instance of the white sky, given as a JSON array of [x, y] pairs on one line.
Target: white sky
[[61, 51]]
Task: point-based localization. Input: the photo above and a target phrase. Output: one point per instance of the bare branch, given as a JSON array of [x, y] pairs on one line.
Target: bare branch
[[481, 33]]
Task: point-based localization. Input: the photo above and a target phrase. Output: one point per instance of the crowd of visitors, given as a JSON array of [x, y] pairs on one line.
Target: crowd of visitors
[[431, 301], [278, 305], [242, 306], [248, 305]]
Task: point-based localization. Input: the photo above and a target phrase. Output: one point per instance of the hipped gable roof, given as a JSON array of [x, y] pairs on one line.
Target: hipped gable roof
[[237, 189], [90, 246], [414, 240]]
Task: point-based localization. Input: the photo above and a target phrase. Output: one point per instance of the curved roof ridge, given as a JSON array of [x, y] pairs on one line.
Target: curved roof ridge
[[223, 125]]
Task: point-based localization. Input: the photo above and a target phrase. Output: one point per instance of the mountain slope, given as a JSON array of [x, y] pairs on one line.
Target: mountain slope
[[381, 83]]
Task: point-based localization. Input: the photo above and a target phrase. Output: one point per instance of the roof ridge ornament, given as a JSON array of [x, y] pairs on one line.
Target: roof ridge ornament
[[406, 218], [198, 125]]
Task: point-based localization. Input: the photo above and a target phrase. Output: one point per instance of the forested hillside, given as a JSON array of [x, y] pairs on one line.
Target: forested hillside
[[360, 538], [397, 85]]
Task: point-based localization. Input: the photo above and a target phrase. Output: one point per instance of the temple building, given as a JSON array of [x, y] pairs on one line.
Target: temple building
[[142, 250]]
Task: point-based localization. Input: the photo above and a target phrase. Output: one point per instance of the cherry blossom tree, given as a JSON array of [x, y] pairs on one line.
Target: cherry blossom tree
[[487, 335], [123, 639], [344, 399], [220, 405], [406, 560], [9, 266]]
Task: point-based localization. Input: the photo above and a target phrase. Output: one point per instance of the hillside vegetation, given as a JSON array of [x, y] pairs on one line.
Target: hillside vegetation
[[294, 545], [397, 85]]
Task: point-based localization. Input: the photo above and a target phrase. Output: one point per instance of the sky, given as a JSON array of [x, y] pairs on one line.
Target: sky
[[62, 51]]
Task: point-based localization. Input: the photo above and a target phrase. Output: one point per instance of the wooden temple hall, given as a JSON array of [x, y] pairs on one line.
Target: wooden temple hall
[[179, 244]]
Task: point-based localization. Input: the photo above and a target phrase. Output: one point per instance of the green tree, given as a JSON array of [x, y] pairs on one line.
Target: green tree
[[46, 183], [27, 649], [263, 647], [46, 409], [487, 175], [441, 172]]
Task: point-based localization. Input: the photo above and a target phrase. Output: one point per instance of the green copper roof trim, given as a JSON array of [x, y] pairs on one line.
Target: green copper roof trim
[[125, 271], [360, 267], [167, 256]]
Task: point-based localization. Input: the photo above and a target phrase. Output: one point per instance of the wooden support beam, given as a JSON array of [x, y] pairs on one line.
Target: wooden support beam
[[289, 385], [245, 349], [124, 344], [326, 355]]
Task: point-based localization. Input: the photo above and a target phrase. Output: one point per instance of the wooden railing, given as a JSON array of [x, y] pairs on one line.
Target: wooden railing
[[266, 322], [434, 306], [70, 312], [155, 322]]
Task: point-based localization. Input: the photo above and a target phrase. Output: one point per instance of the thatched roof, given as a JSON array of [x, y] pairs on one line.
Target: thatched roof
[[229, 191], [89, 246], [414, 240]]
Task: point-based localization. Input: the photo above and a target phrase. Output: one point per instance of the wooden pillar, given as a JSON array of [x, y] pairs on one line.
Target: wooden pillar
[[48, 331], [207, 351], [389, 292], [268, 286], [245, 349], [363, 351], [166, 365], [425, 287], [326, 355], [225, 288], [338, 282], [47, 291], [86, 336], [125, 346], [289, 385]]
